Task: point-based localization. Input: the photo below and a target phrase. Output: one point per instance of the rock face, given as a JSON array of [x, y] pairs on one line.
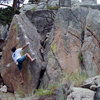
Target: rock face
[[91, 40], [77, 32], [81, 94], [97, 94], [74, 39], [91, 82], [21, 32], [3, 31], [65, 40], [43, 21], [66, 3], [89, 1]]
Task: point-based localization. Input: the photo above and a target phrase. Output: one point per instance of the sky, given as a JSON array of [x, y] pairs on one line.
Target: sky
[[26, 1]]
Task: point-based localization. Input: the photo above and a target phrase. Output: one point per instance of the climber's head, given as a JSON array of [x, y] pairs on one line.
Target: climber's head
[[13, 49]]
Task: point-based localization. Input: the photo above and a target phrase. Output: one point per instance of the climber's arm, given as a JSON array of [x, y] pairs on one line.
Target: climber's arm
[[25, 46]]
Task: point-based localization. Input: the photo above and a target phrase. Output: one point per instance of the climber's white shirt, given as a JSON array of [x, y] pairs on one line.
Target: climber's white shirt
[[17, 54]]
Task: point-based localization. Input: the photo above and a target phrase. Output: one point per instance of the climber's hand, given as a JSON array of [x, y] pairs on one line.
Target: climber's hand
[[28, 43]]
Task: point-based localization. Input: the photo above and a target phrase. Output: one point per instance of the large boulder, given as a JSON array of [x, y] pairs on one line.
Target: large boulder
[[93, 84], [91, 45], [90, 82], [73, 48], [21, 31], [81, 94], [77, 44], [43, 20], [68, 31]]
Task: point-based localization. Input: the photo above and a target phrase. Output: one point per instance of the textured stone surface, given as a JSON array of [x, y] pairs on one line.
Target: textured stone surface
[[69, 42], [66, 50], [92, 81], [65, 3], [75, 39], [3, 31], [21, 32], [93, 84], [89, 1], [43, 20], [91, 45], [81, 94], [53, 3]]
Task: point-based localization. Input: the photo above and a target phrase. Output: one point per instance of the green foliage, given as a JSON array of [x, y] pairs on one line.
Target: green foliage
[[53, 7], [33, 9], [53, 87], [80, 56], [76, 78], [43, 92], [19, 92], [6, 15]]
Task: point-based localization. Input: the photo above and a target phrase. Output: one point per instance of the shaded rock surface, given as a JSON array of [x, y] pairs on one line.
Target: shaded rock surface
[[43, 20], [97, 94]]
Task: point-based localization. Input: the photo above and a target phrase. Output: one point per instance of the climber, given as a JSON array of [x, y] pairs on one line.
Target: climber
[[18, 58]]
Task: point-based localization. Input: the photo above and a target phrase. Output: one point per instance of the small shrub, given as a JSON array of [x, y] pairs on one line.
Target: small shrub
[[76, 78], [33, 9], [53, 7], [43, 92], [53, 87]]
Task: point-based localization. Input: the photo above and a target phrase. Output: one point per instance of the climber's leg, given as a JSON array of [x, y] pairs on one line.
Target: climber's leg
[[31, 59], [20, 61]]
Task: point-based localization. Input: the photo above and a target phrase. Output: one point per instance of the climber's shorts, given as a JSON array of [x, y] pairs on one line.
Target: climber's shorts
[[20, 61]]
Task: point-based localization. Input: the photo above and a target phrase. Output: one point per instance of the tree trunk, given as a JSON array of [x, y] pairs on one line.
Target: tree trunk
[[15, 4]]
